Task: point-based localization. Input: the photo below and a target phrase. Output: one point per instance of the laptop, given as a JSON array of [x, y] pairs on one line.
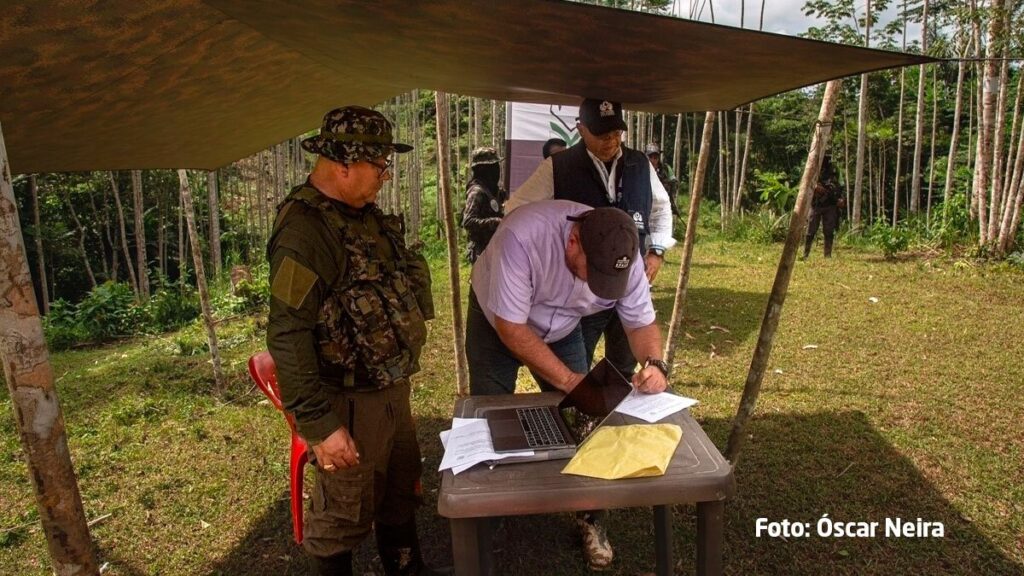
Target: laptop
[[544, 430]]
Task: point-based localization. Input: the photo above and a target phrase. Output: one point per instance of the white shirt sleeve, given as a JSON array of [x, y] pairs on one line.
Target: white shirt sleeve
[[661, 214], [539, 186]]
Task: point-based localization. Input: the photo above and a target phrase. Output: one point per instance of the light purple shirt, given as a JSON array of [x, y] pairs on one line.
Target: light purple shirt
[[522, 276]]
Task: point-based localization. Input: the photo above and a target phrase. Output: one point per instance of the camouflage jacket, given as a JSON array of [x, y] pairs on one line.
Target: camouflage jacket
[[348, 305]]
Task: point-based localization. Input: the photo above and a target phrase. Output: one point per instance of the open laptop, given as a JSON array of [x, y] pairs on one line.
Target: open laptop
[[544, 430]]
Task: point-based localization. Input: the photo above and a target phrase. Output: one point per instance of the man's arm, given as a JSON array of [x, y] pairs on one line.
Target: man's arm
[[539, 186], [645, 342], [478, 219], [661, 226], [532, 351]]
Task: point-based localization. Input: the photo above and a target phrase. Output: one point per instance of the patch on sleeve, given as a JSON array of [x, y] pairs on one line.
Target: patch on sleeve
[[292, 282]]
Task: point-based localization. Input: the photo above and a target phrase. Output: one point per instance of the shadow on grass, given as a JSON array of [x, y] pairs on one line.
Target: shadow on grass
[[736, 311], [795, 467]]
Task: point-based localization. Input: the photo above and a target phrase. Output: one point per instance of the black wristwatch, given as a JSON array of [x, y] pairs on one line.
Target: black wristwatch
[[659, 364]]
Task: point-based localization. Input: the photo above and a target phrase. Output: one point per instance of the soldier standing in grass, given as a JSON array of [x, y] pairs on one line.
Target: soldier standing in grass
[[347, 322], [826, 204], [484, 198]]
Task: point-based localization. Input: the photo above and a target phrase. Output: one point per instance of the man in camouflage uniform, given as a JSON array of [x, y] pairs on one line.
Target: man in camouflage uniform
[[665, 175], [347, 321], [826, 205], [484, 198]]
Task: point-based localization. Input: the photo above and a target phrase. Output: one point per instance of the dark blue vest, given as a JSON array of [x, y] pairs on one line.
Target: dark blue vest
[[577, 179]]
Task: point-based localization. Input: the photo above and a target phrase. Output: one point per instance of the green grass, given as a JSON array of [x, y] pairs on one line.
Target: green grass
[[908, 407]]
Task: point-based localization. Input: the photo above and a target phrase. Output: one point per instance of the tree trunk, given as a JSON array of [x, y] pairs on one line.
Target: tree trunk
[[444, 198], [990, 92], [954, 139], [1010, 152], [738, 200], [81, 240], [37, 411], [197, 261], [182, 263], [104, 217], [140, 234], [997, 148], [899, 149], [40, 256], [915, 184], [124, 236], [862, 129], [679, 305], [735, 188], [931, 146], [677, 147], [415, 191], [1011, 214], [212, 195], [723, 203], [478, 126], [773, 311]]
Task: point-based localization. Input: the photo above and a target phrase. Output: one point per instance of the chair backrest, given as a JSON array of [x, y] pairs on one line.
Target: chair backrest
[[264, 373]]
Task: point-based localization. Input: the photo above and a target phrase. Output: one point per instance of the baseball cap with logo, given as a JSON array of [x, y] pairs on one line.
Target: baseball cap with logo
[[354, 133], [610, 242], [601, 116]]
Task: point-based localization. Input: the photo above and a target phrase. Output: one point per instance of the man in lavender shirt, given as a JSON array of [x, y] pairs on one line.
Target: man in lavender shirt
[[549, 264]]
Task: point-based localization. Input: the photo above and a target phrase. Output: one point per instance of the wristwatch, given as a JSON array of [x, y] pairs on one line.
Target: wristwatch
[[659, 252], [659, 364]]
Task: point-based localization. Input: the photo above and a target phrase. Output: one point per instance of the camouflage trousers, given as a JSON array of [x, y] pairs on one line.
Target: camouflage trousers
[[382, 488]]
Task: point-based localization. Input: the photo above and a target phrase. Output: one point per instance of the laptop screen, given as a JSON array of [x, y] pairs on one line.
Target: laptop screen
[[599, 392]]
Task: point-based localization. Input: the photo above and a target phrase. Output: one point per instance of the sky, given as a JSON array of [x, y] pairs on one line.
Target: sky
[[780, 16]]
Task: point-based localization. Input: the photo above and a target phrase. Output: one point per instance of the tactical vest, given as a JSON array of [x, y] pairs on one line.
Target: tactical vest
[[577, 179], [373, 317]]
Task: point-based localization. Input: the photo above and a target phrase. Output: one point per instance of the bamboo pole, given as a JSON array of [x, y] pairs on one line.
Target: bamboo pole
[[773, 311], [678, 306], [37, 411], [197, 260], [445, 200]]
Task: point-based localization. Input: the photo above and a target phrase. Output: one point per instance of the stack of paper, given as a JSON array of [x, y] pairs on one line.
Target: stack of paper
[[468, 443]]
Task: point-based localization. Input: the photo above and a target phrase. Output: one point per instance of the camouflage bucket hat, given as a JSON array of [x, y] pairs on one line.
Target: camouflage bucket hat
[[354, 133], [484, 155]]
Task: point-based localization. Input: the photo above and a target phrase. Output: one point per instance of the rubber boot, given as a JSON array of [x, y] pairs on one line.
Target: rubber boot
[[399, 550], [337, 565], [828, 247], [807, 247]]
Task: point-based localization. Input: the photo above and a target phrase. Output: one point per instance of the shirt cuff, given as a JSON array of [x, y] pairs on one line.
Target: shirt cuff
[[316, 431], [662, 241]]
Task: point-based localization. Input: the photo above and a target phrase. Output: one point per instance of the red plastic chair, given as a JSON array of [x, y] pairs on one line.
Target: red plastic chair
[[264, 373]]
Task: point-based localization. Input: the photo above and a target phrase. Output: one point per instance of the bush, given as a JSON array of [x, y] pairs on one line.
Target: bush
[[60, 326], [109, 311], [890, 240], [171, 306]]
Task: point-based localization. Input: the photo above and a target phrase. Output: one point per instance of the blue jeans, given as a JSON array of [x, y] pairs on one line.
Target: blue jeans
[[616, 344], [493, 368]]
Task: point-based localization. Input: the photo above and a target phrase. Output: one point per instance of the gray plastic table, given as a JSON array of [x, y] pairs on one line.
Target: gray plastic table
[[698, 474]]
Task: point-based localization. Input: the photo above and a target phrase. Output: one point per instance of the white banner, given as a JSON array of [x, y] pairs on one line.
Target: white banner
[[527, 128]]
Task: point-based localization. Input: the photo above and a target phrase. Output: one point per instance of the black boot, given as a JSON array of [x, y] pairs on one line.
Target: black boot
[[828, 247], [337, 565], [807, 247], [399, 550]]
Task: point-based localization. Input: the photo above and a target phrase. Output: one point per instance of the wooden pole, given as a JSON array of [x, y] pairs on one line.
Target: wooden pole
[[37, 412], [142, 265], [445, 200], [197, 261], [676, 324], [214, 204], [773, 312], [40, 255]]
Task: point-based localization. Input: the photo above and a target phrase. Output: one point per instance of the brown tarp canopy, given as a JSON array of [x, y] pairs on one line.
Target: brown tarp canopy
[[125, 84]]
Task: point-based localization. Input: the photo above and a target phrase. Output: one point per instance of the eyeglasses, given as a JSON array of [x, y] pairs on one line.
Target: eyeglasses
[[382, 169]]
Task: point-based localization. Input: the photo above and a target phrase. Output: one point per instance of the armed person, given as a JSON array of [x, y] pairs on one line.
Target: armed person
[[665, 175], [347, 322], [826, 205], [483, 211]]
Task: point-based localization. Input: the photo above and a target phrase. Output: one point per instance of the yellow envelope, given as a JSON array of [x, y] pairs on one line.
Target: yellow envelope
[[631, 451]]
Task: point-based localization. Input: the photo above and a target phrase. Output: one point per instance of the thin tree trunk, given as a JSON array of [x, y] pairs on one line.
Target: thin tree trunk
[[862, 128], [954, 140], [679, 304], [81, 240], [124, 236], [1011, 214], [723, 204], [105, 218], [40, 255], [737, 201], [899, 128], [677, 146], [773, 311], [161, 239], [415, 192], [444, 197], [197, 262], [140, 234], [990, 93], [997, 149], [182, 263], [735, 188], [214, 205], [915, 184], [931, 146], [1010, 152], [37, 411]]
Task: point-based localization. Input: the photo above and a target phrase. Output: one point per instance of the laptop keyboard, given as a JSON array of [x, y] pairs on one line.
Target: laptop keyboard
[[540, 428]]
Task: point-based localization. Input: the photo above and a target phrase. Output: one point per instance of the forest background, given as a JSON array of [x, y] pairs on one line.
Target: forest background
[[930, 157]]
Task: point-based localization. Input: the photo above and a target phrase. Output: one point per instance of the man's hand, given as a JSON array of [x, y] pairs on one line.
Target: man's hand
[[337, 451], [652, 263], [650, 380]]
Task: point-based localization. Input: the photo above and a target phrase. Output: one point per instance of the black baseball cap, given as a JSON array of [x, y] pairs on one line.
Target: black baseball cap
[[611, 244], [601, 116]]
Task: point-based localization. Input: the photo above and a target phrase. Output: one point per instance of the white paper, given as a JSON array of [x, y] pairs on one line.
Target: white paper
[[468, 443], [653, 407]]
